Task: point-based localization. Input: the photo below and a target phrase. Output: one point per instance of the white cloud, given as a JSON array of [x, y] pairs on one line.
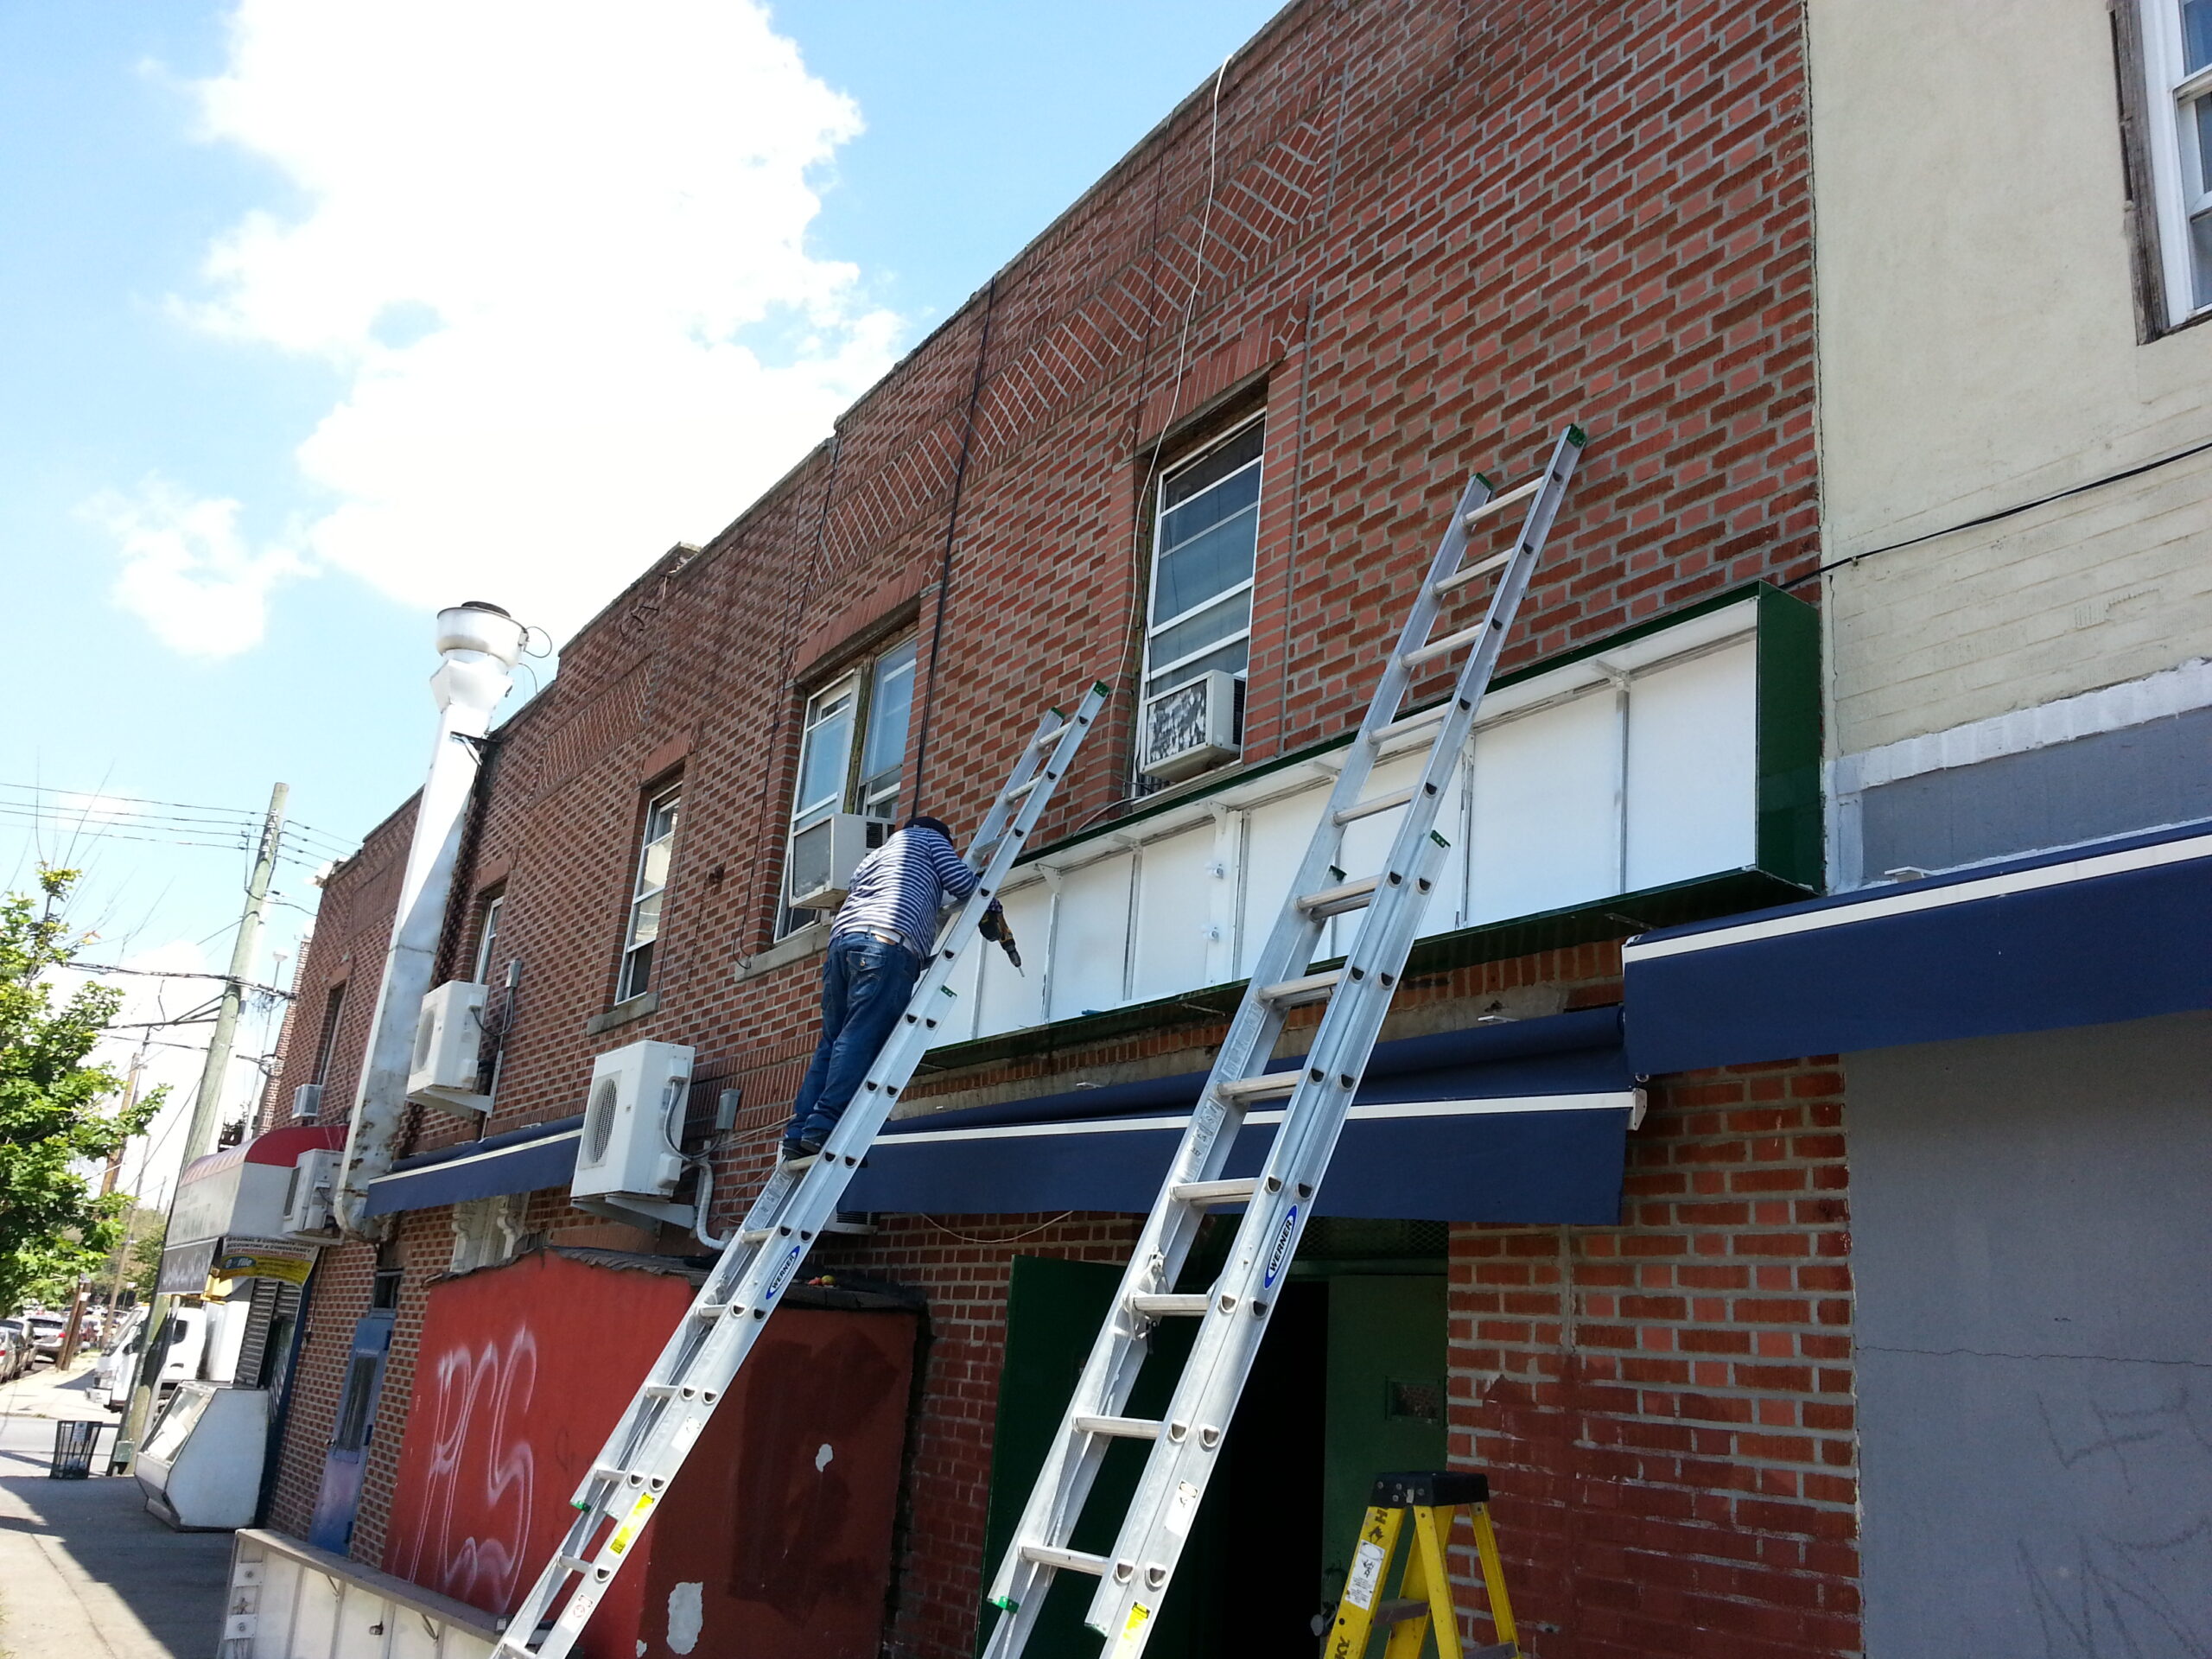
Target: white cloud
[[186, 570], [559, 251]]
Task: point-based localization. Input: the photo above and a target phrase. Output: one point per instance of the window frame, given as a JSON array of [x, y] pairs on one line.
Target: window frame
[[326, 1047], [2181, 191], [488, 935], [1157, 625], [866, 794], [634, 974]]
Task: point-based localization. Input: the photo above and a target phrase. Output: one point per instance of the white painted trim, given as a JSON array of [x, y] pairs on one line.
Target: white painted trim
[[1910, 901], [2156, 696], [1619, 1100], [479, 1157]]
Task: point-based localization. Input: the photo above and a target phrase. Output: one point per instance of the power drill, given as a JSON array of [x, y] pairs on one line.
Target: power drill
[[994, 925]]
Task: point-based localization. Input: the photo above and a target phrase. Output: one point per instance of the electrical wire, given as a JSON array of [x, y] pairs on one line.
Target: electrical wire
[[2003, 514], [1003, 1238]]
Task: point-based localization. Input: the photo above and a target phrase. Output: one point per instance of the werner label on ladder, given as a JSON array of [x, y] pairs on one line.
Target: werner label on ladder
[[1132, 1581], [711, 1342]]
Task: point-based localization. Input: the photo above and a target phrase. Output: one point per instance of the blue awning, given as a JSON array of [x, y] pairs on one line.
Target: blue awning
[[2120, 929], [521, 1160], [1523, 1122]]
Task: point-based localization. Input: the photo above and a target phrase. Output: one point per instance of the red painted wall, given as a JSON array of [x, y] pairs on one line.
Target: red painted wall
[[775, 1542]]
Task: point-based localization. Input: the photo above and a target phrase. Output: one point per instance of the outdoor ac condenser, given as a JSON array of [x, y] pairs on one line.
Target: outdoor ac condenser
[[1190, 728], [448, 1044], [825, 855], [634, 1122], [306, 1203]]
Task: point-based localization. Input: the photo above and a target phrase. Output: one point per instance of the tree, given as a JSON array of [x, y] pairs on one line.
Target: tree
[[53, 1124]]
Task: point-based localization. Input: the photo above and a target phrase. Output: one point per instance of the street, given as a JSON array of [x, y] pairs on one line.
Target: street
[[84, 1569]]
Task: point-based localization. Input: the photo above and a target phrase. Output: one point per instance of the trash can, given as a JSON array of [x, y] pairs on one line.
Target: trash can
[[73, 1443]]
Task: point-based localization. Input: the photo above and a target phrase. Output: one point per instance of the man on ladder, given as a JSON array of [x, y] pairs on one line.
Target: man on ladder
[[882, 937]]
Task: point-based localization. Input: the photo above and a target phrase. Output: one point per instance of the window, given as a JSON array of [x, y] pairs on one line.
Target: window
[[657, 846], [2177, 67], [1204, 539], [852, 749], [488, 938], [333, 1006]]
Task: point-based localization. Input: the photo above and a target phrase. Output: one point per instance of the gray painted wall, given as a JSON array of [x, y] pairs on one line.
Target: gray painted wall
[[2109, 784], [2031, 1240]]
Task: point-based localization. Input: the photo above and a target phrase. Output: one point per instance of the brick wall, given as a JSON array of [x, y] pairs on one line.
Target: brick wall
[[1665, 1408], [1435, 231]]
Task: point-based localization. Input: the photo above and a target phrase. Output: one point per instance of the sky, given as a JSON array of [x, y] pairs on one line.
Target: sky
[[318, 315]]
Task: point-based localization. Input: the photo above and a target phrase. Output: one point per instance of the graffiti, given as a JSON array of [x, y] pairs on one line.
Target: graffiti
[[480, 1462]]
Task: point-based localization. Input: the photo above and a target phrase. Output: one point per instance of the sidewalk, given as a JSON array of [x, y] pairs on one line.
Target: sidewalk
[[84, 1569]]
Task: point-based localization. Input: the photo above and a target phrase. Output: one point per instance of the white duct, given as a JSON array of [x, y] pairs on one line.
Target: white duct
[[481, 645]]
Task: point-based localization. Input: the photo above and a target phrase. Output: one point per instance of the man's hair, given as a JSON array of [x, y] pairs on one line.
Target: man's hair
[[919, 821]]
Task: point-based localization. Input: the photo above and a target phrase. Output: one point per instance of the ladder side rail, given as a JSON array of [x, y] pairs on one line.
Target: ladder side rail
[[1109, 1372], [1275, 1221], [702, 1355]]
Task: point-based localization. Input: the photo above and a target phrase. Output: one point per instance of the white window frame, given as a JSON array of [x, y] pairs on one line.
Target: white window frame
[[865, 682], [2180, 190], [634, 976], [487, 938], [1156, 624]]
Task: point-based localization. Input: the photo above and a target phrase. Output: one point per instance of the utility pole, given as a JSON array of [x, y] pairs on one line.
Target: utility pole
[[206, 1106]]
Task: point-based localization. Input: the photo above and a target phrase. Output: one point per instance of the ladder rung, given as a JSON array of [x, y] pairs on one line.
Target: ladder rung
[[1475, 572], [1020, 790], [665, 1390], [1121, 1429], [1499, 503], [1350, 895], [1051, 735], [1268, 1085], [1161, 1306], [1448, 644], [1207, 1193], [1292, 992], [575, 1563], [1074, 1561], [756, 1234], [710, 1310], [1374, 804], [1398, 1610], [1398, 728]]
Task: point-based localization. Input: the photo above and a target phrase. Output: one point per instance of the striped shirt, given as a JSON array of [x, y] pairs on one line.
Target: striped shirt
[[901, 887]]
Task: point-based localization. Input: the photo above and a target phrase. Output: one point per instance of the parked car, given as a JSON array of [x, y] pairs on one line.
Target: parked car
[[46, 1334], [14, 1351], [116, 1374]]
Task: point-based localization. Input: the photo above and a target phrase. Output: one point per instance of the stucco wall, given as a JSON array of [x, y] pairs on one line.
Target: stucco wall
[[1978, 349]]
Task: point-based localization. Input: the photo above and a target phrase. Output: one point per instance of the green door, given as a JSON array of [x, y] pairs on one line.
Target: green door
[[1385, 1399]]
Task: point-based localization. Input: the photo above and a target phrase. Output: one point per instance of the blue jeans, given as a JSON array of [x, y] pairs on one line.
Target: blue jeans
[[865, 986]]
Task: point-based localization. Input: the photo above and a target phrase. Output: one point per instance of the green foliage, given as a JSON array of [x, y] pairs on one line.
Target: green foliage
[[146, 1256], [52, 1225]]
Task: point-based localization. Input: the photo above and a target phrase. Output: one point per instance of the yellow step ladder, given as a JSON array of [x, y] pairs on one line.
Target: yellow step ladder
[[1424, 1597]]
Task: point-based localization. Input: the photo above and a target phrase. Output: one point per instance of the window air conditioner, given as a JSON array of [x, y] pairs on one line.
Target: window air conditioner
[[634, 1122], [448, 1044], [307, 1101], [825, 855], [306, 1201], [1190, 728]]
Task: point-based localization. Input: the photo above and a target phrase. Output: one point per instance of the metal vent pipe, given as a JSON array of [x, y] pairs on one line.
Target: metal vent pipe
[[481, 644]]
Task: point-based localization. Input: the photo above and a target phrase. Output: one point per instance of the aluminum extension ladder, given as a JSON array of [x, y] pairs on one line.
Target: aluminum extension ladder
[[665, 1420], [1233, 1314]]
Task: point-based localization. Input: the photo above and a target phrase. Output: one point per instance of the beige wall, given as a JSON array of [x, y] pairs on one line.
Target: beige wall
[[1979, 349]]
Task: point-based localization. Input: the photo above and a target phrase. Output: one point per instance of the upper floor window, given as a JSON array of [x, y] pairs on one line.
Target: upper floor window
[[2177, 64], [334, 1005], [657, 848], [1205, 536], [852, 748], [488, 938]]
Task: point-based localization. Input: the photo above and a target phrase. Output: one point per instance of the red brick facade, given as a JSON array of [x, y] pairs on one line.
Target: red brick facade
[[1434, 233]]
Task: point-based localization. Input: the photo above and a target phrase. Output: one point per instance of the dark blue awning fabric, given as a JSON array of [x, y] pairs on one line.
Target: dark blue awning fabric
[[2119, 930], [521, 1160], [1523, 1122]]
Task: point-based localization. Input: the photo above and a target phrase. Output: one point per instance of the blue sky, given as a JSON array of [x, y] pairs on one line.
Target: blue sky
[[315, 317]]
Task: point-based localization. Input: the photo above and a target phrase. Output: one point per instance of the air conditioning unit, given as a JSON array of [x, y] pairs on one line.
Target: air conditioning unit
[[448, 1046], [1188, 729], [306, 1201], [634, 1122], [307, 1102], [825, 855]]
